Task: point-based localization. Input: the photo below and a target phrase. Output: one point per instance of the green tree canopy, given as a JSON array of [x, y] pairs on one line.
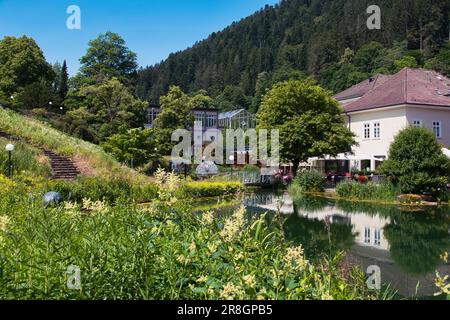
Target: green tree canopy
[[107, 56], [416, 162], [309, 119], [175, 114], [22, 63], [114, 108], [136, 144]]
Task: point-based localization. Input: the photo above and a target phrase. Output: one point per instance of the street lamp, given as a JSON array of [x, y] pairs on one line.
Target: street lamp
[[232, 163], [9, 148]]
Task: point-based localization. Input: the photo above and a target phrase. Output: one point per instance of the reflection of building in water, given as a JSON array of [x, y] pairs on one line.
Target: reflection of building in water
[[368, 229], [283, 203], [256, 199], [370, 245]]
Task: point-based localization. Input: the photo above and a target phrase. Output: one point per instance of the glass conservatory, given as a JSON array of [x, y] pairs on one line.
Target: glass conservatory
[[237, 119]]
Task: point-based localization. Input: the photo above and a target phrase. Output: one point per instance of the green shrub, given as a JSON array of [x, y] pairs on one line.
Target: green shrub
[[210, 189], [367, 191], [309, 181], [109, 190], [416, 163]]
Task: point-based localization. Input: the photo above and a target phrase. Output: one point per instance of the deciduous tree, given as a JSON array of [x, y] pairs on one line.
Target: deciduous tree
[[309, 119]]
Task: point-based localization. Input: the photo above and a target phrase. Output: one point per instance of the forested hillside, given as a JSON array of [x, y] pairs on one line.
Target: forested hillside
[[321, 38]]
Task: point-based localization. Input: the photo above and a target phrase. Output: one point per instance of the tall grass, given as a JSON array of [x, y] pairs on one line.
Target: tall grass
[[25, 159], [368, 191]]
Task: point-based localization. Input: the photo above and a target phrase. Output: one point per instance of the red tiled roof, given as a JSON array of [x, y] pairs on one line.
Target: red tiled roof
[[409, 86], [360, 89]]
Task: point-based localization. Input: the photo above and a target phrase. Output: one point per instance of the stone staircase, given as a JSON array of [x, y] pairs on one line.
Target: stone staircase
[[63, 168]]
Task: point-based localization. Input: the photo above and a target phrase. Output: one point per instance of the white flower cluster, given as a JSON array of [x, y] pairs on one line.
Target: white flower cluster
[[95, 206], [233, 225]]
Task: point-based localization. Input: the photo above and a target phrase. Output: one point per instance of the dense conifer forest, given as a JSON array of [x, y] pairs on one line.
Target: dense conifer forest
[[326, 39]]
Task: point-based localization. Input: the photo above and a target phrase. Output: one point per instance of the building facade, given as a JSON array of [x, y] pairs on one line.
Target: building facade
[[377, 109]]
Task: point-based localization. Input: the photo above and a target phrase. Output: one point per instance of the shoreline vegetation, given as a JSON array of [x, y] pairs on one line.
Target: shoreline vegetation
[[313, 183], [163, 251]]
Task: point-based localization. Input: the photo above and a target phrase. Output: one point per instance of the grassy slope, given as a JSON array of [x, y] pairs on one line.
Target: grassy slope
[[26, 158], [101, 164]]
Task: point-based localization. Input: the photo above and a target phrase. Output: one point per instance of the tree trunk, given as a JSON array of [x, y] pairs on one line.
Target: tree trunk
[[296, 165]]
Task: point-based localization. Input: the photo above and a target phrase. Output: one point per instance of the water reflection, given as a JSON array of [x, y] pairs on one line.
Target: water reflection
[[405, 244]]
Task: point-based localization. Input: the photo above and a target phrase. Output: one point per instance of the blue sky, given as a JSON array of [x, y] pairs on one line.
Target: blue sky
[[152, 28]]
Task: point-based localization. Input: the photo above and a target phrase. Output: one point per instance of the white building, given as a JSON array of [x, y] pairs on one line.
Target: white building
[[381, 106]]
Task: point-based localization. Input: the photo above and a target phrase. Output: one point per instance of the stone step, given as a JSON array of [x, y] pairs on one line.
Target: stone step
[[63, 168]]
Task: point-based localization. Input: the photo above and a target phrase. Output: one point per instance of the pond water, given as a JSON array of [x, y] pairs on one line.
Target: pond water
[[405, 244]]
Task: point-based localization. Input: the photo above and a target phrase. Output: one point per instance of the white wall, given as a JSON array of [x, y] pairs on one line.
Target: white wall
[[392, 120], [429, 114]]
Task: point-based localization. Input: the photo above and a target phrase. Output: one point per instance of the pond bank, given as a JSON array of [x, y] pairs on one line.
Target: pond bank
[[332, 195]]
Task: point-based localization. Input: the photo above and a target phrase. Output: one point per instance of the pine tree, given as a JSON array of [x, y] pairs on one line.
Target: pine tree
[[63, 81]]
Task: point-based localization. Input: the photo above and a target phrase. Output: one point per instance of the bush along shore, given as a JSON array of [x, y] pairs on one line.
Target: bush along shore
[[162, 251]]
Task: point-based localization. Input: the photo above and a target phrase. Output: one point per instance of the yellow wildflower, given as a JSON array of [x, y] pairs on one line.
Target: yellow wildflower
[[192, 247], [212, 247], [444, 257], [441, 283], [4, 221], [249, 280], [94, 206], [202, 279], [233, 226], [295, 259], [208, 218], [239, 256], [230, 292]]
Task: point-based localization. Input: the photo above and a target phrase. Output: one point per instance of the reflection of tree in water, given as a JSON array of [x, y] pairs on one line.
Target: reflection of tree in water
[[313, 234], [417, 240], [310, 203], [371, 209]]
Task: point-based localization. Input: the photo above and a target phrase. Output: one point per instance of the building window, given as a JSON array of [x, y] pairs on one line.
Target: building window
[[377, 235], [367, 235], [367, 131], [211, 121], [417, 123], [437, 129], [376, 130]]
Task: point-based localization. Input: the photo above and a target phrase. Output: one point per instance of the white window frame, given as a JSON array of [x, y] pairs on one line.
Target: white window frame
[[377, 237], [367, 237], [366, 130], [376, 130], [417, 123], [437, 129]]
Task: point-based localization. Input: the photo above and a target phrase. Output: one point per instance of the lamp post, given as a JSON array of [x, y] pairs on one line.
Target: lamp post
[[9, 148], [232, 163]]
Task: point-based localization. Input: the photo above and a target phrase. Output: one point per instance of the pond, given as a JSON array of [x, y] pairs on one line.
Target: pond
[[404, 243]]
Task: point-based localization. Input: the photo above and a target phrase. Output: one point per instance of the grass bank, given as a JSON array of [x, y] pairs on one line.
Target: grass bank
[[93, 158]]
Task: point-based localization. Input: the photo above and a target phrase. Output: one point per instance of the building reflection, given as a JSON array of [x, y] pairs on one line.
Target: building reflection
[[405, 245]]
